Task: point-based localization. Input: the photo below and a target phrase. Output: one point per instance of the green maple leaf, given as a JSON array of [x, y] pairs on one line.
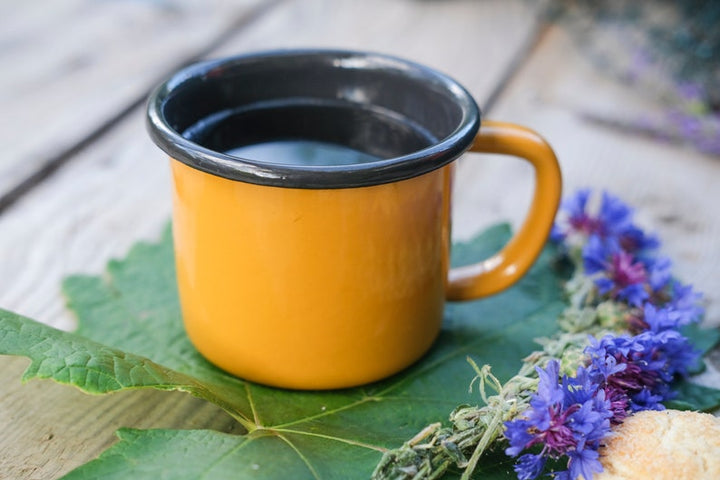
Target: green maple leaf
[[131, 336]]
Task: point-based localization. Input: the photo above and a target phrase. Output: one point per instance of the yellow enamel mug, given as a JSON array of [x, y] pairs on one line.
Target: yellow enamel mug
[[311, 210]]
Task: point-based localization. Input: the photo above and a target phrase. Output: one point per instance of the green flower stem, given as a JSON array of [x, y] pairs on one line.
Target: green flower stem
[[430, 453], [475, 429], [489, 436], [505, 405]]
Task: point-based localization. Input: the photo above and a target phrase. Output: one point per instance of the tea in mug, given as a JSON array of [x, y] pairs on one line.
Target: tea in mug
[[302, 152]]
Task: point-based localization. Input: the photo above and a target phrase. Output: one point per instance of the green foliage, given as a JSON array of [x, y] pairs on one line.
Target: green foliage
[[692, 396], [131, 336], [702, 339]]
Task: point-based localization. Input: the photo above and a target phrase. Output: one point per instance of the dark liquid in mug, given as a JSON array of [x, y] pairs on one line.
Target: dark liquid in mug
[[302, 152], [319, 133]]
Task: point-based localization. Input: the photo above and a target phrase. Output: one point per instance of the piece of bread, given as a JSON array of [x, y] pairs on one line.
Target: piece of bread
[[669, 444]]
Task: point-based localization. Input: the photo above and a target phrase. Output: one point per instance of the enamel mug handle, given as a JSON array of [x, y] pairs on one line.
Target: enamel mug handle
[[503, 269]]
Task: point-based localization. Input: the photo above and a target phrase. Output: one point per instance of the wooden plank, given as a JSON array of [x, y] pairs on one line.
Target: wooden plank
[[70, 67], [94, 209], [472, 41], [86, 215], [674, 189], [50, 429], [117, 192]]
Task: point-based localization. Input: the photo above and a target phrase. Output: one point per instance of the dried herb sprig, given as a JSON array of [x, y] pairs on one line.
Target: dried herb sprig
[[617, 350], [434, 450], [474, 429]]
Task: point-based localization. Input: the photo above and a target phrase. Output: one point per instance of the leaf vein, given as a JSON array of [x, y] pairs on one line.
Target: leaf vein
[[251, 401], [227, 454], [349, 406], [346, 441], [304, 459]]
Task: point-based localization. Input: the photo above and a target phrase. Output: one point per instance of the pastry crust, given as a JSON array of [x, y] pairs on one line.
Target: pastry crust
[[670, 445]]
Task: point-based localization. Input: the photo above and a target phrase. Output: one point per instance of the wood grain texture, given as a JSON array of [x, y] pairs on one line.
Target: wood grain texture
[[116, 193], [69, 67], [674, 190], [112, 195], [472, 41], [50, 429]]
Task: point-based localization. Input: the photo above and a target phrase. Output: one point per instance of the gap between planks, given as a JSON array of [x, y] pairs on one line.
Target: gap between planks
[[521, 57]]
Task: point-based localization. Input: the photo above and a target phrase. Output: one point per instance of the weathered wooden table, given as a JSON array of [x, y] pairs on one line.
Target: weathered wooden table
[[80, 181]]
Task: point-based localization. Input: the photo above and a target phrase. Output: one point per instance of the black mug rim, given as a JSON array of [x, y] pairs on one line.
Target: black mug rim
[[424, 160]]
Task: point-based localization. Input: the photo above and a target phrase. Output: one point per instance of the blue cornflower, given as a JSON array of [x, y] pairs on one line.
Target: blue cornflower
[[633, 239], [668, 352], [685, 301], [668, 317], [567, 417], [659, 272], [616, 273], [616, 222], [519, 436], [584, 462], [612, 222], [549, 390], [530, 466], [595, 255], [673, 307], [592, 420], [607, 368], [615, 217], [646, 400], [635, 372], [577, 220]]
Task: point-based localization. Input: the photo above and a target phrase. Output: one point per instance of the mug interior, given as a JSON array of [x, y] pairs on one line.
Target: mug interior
[[409, 118]]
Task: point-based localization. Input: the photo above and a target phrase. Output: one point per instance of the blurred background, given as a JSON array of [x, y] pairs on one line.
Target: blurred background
[[625, 91]]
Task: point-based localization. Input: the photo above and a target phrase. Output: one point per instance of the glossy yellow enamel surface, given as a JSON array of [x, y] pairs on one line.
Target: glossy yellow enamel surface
[[311, 289], [320, 289], [513, 261]]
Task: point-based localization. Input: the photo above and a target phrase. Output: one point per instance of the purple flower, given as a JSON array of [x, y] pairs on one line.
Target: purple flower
[[519, 436], [635, 372], [658, 271], [548, 390], [613, 221], [668, 352], [625, 271], [691, 91], [666, 318], [567, 417], [529, 466], [577, 218], [595, 254], [584, 462], [646, 400], [615, 217], [591, 420], [632, 239], [685, 301], [618, 275], [619, 403], [576, 207]]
